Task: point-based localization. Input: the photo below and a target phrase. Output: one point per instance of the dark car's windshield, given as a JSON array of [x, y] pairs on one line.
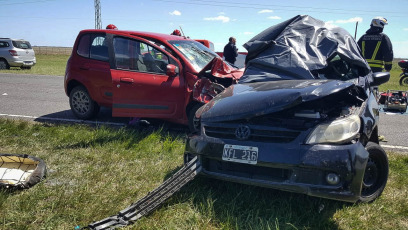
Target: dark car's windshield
[[22, 44], [196, 53]]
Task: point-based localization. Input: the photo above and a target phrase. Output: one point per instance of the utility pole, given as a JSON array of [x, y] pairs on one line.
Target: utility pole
[[98, 21]]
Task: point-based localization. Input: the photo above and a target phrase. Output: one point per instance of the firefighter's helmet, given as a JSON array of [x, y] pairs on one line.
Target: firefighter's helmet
[[379, 22]]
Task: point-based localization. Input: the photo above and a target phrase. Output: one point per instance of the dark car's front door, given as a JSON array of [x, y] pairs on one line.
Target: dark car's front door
[[141, 87]]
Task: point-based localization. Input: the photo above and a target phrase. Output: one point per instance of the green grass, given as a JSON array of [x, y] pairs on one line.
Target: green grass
[[96, 171], [46, 65], [393, 83]]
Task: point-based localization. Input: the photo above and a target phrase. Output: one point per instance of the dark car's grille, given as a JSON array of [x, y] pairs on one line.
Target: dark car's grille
[[245, 170], [257, 134]]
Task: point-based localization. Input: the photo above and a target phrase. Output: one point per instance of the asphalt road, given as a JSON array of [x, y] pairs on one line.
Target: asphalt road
[[42, 98]]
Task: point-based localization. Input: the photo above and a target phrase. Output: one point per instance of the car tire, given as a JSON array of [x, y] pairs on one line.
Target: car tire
[[82, 104], [375, 174], [4, 64], [192, 121]]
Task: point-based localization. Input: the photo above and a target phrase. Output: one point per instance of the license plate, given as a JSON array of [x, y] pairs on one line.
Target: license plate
[[240, 154]]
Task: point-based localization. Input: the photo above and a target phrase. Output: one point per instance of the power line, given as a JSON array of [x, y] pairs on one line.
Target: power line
[[21, 3], [281, 7], [304, 7]]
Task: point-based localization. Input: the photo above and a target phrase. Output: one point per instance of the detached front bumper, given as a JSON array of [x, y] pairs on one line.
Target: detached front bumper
[[303, 169]]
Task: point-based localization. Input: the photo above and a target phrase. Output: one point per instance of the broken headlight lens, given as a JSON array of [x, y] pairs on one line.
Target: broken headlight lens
[[336, 131]]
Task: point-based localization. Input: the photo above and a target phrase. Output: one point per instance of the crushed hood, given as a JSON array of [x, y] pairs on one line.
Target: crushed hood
[[297, 49], [242, 101], [221, 69]]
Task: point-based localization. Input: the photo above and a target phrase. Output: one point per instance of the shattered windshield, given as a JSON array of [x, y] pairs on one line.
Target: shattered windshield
[[196, 53]]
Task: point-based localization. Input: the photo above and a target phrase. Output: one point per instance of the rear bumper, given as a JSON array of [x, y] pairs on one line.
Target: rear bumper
[[22, 63], [303, 171]]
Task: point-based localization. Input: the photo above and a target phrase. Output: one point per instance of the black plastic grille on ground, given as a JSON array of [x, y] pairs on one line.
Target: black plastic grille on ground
[[152, 200]]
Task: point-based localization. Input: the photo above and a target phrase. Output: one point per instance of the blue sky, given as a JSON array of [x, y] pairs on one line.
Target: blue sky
[[57, 22]]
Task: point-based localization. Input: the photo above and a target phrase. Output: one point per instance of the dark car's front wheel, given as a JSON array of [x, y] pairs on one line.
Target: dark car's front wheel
[[82, 104], [376, 173]]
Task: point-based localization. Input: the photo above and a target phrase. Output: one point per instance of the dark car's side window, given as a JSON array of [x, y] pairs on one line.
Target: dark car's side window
[[4, 44], [138, 56], [93, 46]]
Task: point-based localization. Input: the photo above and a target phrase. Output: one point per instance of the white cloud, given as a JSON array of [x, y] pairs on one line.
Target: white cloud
[[248, 33], [222, 18], [265, 11], [405, 29], [175, 13], [221, 13], [350, 20], [274, 17], [330, 24]]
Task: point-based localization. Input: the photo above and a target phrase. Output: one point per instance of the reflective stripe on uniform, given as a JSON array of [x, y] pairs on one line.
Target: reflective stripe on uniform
[[375, 61], [372, 62], [363, 48], [376, 50], [376, 65], [388, 62]]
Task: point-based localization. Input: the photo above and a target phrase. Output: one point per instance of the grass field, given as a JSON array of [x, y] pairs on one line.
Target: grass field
[[46, 65], [93, 172]]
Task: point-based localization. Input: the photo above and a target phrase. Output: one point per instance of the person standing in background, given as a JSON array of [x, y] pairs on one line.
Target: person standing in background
[[231, 51]]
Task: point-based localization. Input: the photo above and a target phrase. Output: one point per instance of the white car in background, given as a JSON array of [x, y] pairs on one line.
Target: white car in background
[[16, 53]]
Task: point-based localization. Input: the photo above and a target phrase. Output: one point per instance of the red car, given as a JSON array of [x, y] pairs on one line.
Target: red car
[[143, 74]]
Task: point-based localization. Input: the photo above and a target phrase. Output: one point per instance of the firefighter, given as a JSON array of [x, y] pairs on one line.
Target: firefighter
[[376, 47]]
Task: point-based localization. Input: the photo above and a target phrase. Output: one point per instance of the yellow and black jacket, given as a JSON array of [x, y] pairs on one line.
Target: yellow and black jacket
[[376, 48]]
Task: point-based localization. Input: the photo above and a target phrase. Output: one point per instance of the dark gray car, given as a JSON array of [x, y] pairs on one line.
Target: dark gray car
[[303, 117]]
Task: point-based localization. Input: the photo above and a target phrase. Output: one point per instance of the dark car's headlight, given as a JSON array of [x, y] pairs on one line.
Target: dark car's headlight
[[336, 131]]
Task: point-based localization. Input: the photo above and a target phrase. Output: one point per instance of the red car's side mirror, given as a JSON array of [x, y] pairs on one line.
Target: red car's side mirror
[[172, 70]]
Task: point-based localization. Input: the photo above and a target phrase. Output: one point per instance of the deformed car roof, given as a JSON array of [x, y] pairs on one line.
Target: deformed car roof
[[296, 48]]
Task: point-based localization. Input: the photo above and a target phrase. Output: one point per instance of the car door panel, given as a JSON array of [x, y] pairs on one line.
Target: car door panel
[[139, 91]]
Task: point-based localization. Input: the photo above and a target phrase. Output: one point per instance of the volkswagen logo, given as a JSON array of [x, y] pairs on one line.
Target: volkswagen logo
[[243, 132]]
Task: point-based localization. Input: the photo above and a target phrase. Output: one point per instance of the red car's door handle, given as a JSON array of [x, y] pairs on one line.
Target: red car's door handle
[[126, 80]]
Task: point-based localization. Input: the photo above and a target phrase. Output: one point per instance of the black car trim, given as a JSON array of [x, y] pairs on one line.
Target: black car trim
[[290, 186], [136, 106]]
